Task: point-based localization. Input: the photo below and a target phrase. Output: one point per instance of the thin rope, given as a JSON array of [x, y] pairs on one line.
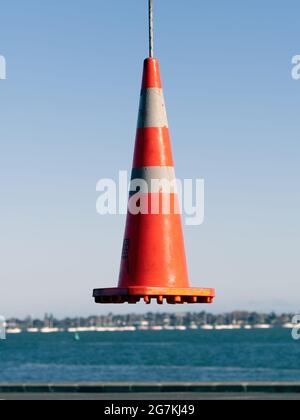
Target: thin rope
[[151, 31]]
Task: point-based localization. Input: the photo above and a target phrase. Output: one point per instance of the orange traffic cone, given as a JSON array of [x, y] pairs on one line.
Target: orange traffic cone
[[153, 259]]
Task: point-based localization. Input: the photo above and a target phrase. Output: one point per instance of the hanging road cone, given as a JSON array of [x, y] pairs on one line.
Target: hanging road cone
[[153, 259]]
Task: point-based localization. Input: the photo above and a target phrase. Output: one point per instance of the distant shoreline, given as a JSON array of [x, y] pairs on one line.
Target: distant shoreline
[[238, 320], [154, 328]]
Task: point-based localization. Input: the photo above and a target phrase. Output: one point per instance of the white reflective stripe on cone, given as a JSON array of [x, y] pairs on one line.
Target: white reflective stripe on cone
[[152, 112], [153, 179]]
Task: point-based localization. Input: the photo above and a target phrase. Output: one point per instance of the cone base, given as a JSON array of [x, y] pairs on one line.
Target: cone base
[[172, 296]]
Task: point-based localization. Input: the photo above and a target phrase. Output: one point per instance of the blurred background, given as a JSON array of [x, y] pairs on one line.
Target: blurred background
[[68, 113]]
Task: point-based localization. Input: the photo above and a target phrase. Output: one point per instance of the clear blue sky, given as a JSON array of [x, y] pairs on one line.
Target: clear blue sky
[[68, 113]]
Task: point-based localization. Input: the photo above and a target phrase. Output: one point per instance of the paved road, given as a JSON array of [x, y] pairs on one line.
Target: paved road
[[151, 396]]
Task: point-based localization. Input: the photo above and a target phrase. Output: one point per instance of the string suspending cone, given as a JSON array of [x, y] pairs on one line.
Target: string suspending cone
[[153, 264]]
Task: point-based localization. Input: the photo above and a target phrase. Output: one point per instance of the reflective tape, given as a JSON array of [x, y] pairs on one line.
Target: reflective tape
[[152, 112], [153, 179]]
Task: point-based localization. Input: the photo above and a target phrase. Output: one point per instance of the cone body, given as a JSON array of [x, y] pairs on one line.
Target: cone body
[[153, 251], [153, 263]]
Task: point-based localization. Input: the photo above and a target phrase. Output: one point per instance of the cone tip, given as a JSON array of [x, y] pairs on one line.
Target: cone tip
[[151, 76]]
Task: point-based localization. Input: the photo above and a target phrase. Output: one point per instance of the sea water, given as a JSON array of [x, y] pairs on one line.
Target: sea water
[[151, 356]]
